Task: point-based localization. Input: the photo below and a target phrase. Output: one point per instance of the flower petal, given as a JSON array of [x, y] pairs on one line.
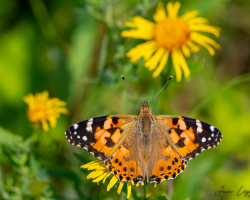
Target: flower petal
[[206, 28], [112, 182], [94, 165], [145, 29], [120, 187], [45, 125], [128, 189], [185, 50], [154, 60], [100, 177], [142, 50], [130, 24], [162, 64], [189, 15], [104, 179], [52, 121], [205, 41], [160, 13], [173, 9], [197, 20], [96, 173], [176, 64], [183, 64], [90, 164], [194, 48]]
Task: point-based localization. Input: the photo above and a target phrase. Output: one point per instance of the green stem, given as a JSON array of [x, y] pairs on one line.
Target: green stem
[[145, 187]]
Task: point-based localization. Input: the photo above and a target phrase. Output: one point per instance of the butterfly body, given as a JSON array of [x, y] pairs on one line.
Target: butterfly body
[[133, 147]]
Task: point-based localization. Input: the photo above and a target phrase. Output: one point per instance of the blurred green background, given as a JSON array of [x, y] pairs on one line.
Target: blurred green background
[[73, 49]]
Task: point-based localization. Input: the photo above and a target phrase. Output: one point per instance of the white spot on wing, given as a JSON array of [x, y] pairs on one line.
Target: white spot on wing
[[89, 125], [75, 132], [209, 138], [199, 126], [212, 135], [84, 138], [212, 128], [90, 122], [89, 128], [198, 123], [78, 136], [199, 129], [203, 139], [75, 126]]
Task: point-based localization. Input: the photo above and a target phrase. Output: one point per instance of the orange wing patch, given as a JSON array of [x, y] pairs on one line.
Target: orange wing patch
[[106, 140], [122, 164], [167, 167], [184, 141], [110, 123]]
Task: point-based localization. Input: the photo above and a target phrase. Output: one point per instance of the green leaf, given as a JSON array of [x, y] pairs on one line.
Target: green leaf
[[9, 139], [38, 170]]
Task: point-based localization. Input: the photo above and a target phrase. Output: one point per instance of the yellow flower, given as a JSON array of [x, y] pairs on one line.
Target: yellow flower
[[101, 173], [42, 109], [171, 34]]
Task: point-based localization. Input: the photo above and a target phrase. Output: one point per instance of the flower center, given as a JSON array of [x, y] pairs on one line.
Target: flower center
[[171, 33], [38, 113]]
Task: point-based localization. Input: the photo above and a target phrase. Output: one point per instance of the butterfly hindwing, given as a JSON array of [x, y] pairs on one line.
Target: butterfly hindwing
[[126, 162], [167, 165], [99, 135], [165, 162]]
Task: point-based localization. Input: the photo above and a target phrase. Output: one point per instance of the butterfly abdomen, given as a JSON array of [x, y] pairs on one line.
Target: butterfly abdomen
[[145, 138]]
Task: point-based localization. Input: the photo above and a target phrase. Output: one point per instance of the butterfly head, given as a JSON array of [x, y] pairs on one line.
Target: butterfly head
[[145, 108]]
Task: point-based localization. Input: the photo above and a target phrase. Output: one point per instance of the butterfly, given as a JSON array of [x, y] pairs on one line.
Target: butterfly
[[137, 146]]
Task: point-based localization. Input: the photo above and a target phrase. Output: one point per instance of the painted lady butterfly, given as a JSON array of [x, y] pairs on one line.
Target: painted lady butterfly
[[135, 146]]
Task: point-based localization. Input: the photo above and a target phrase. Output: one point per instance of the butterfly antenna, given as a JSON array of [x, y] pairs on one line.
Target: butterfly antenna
[[131, 88], [161, 89]]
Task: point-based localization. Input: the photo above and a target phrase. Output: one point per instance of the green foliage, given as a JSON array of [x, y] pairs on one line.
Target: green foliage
[[74, 50]]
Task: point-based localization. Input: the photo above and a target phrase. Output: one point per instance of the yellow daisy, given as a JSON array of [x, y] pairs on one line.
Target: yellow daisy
[[101, 173], [42, 109], [170, 34]]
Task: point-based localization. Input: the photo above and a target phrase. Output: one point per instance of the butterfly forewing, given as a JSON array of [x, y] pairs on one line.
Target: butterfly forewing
[[190, 136], [98, 135]]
